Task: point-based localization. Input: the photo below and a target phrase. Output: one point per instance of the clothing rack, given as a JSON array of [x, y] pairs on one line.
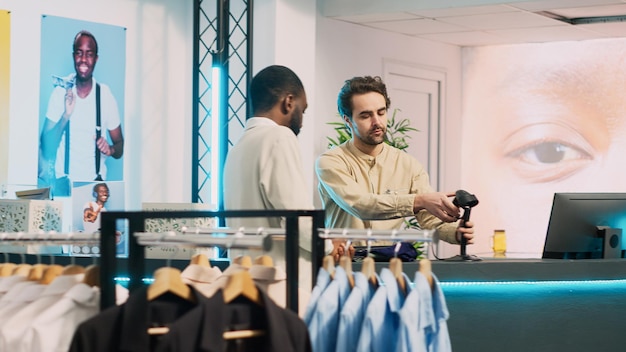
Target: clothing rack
[[234, 239], [364, 235], [136, 256], [41, 238], [48, 237], [378, 235]]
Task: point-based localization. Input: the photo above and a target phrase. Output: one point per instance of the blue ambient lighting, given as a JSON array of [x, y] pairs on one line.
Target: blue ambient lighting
[[216, 76], [532, 287]]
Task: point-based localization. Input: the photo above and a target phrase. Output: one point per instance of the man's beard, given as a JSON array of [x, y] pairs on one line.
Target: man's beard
[[370, 140], [295, 123]]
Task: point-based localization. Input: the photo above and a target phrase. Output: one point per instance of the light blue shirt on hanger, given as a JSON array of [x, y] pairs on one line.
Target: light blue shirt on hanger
[[322, 281], [353, 312], [380, 327], [416, 318], [324, 322], [439, 337]]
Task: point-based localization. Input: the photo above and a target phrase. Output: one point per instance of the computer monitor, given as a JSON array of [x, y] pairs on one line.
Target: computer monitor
[[586, 226]]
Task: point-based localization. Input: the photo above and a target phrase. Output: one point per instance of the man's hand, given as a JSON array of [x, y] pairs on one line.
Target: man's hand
[[466, 231], [438, 204], [104, 146], [339, 249], [90, 215]]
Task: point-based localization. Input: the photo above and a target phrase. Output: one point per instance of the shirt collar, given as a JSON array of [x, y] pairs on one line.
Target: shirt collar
[[61, 284], [259, 121], [201, 274], [365, 157], [395, 298]]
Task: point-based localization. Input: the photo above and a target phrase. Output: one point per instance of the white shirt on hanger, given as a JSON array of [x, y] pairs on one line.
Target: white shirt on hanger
[[11, 332], [53, 328]]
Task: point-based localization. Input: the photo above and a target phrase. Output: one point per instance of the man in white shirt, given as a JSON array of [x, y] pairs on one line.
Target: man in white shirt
[[92, 209], [263, 170], [80, 113]]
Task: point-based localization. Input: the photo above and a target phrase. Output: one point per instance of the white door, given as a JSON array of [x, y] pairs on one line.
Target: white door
[[417, 94]]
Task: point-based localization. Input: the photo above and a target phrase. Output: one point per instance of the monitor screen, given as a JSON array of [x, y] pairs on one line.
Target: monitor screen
[[574, 220]]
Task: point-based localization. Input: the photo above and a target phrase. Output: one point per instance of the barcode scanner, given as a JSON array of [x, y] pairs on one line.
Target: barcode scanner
[[466, 201]]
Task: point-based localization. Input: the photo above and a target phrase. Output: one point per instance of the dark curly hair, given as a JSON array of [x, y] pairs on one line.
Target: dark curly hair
[[270, 84], [359, 85]]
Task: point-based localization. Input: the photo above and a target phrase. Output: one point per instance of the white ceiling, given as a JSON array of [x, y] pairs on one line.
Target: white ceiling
[[485, 22]]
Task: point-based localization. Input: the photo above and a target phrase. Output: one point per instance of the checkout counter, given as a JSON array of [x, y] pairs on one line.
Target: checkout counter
[[534, 305]]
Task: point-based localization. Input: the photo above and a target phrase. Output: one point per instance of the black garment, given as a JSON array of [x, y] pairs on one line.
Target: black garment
[[286, 332], [125, 327], [192, 327]]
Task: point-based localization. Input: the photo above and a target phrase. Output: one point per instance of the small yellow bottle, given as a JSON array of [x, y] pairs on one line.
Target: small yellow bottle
[[498, 241]]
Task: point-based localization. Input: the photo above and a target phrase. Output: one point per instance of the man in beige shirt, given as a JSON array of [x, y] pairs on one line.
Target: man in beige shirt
[[367, 184]]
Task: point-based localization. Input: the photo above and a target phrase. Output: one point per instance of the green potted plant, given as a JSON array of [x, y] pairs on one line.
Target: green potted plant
[[398, 130], [396, 136]]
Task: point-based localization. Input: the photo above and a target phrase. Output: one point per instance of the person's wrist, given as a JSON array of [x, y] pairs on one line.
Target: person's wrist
[[417, 204]]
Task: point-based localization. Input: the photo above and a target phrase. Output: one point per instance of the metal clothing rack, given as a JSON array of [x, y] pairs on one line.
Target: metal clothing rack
[[44, 239], [241, 238], [365, 235], [378, 235], [48, 237], [136, 221]]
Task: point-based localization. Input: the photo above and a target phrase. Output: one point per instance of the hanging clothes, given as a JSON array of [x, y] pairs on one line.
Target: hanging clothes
[[439, 337], [353, 313], [191, 326], [323, 279], [423, 319], [379, 330], [416, 318], [125, 327], [324, 322], [52, 329], [15, 325]]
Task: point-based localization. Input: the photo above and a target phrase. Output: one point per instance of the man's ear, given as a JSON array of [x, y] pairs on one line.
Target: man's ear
[[347, 122], [287, 104]]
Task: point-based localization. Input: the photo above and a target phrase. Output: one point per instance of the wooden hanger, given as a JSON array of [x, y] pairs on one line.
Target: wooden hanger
[[36, 272], [368, 268], [241, 284], [242, 334], [92, 276], [328, 263], [50, 273], [73, 269], [200, 259], [426, 270], [243, 260], [168, 279], [22, 269], [6, 269], [264, 260], [346, 263], [395, 265]]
